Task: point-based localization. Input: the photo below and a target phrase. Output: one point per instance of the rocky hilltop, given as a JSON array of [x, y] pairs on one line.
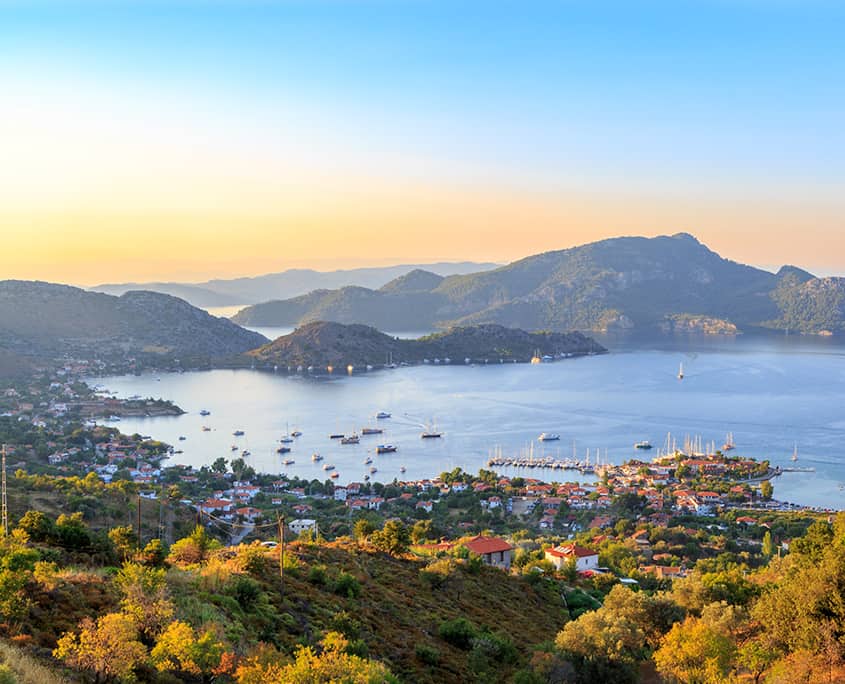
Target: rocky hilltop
[[321, 344], [43, 319], [670, 283]]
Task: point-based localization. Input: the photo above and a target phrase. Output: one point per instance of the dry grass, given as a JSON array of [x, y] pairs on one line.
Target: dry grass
[[28, 670]]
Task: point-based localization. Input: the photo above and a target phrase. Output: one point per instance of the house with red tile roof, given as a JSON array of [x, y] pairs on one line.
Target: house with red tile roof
[[494, 551], [585, 559]]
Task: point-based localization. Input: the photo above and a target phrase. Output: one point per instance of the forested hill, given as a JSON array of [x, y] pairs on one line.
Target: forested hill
[[43, 319], [668, 282], [321, 344]]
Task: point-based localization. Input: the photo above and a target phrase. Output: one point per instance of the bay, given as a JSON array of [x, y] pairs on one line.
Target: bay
[[770, 392]]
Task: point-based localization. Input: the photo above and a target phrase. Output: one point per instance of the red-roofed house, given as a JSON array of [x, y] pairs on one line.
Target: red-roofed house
[[494, 551], [585, 559]]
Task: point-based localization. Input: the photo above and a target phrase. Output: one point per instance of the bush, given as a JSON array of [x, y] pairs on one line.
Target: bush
[[458, 632], [245, 590], [317, 575], [427, 654], [347, 585], [435, 574]]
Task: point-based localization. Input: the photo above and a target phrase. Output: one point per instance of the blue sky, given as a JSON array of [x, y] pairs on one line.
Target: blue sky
[[625, 101]]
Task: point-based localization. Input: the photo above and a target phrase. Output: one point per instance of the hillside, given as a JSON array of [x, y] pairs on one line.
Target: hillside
[[43, 319], [321, 344], [663, 283], [286, 284]]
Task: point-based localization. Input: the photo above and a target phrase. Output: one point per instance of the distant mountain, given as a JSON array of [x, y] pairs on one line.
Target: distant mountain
[[287, 284], [321, 344], [664, 283], [43, 319]]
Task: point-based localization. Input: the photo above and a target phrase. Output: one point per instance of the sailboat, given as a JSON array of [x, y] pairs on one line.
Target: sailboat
[[729, 442], [795, 453], [681, 371]]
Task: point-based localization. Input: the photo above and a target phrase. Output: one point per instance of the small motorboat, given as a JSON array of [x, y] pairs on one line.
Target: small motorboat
[[385, 449]]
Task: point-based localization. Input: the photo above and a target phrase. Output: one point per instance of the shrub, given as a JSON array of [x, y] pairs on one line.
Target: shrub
[[427, 654], [245, 590], [459, 632], [347, 585], [317, 575], [435, 574]]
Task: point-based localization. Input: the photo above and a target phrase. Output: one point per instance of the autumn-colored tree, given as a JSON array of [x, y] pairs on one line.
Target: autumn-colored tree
[[695, 652], [108, 648], [125, 540], [179, 649], [145, 598], [193, 549], [606, 644], [330, 664], [701, 650]]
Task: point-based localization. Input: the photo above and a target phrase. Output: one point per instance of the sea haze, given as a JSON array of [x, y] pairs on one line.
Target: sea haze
[[770, 392]]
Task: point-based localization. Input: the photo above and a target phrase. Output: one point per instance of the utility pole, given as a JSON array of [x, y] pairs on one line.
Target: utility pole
[[4, 505], [281, 520], [139, 522]]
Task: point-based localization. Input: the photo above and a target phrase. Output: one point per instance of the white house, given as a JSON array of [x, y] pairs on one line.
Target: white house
[[299, 525], [585, 559]]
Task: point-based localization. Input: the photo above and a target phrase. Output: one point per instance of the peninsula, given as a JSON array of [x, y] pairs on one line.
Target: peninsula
[[322, 344]]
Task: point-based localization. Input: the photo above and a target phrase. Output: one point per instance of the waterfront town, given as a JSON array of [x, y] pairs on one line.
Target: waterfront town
[[665, 513]]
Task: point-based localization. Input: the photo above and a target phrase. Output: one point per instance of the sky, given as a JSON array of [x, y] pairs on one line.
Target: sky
[[182, 141]]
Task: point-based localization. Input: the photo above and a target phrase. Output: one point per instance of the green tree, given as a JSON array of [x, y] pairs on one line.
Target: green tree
[[421, 531], [768, 546], [393, 538], [37, 525], [220, 465], [766, 490], [363, 528]]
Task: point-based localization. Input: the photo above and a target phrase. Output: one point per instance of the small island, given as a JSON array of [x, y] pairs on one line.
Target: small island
[[323, 344]]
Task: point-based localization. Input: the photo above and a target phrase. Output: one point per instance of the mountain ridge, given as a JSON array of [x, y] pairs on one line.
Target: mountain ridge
[[46, 319], [616, 283], [286, 284]]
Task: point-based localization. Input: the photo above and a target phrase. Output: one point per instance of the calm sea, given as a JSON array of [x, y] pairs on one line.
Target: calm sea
[[771, 393]]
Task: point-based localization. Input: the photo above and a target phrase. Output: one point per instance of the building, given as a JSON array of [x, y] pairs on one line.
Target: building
[[299, 525], [585, 559], [493, 550]]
